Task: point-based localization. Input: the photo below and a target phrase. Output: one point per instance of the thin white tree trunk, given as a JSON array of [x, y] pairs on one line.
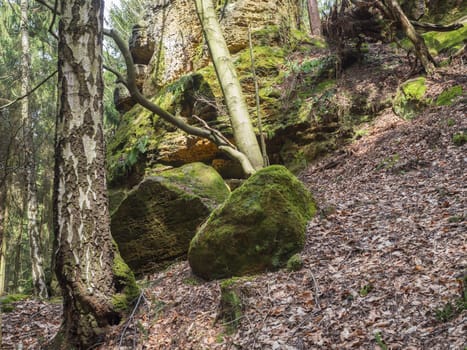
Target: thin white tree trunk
[[38, 276], [243, 131]]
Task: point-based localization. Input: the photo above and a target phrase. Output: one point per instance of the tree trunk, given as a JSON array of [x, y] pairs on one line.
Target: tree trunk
[[313, 16], [38, 276], [3, 219], [421, 50], [3, 247], [96, 284], [244, 134]]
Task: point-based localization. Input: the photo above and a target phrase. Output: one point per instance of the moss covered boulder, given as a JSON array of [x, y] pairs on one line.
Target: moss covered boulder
[[258, 228], [154, 223], [410, 98]]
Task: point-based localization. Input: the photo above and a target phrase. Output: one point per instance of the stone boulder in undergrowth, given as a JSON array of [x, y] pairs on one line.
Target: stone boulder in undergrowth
[[258, 227], [155, 221]]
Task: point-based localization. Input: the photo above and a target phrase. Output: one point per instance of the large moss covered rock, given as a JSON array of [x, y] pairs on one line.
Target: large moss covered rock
[[258, 228], [154, 223]]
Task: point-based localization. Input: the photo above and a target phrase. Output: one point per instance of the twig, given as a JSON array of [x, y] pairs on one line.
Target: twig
[[29, 92], [132, 315], [120, 78]]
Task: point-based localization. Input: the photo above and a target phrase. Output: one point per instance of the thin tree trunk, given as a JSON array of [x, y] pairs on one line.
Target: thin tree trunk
[[96, 284], [38, 276], [3, 252], [3, 219], [421, 51], [313, 16], [244, 134]]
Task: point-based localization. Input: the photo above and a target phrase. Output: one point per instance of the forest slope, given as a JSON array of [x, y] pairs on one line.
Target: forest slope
[[381, 262]]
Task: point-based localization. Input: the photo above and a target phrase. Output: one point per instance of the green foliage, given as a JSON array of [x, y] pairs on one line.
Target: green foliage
[[380, 342], [365, 290], [7, 301], [388, 162], [459, 138], [452, 309], [295, 263]]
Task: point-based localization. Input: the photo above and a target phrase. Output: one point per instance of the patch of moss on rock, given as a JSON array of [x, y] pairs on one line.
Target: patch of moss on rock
[[446, 42], [409, 100], [258, 228], [448, 96], [155, 222], [126, 288]]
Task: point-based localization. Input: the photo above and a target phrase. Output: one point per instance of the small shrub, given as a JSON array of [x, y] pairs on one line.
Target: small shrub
[[295, 263]]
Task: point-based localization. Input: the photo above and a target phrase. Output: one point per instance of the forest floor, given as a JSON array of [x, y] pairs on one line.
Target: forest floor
[[382, 263]]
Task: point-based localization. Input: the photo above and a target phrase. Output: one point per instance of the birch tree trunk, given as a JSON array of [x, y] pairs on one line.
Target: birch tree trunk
[[38, 276], [96, 284], [244, 134], [313, 16]]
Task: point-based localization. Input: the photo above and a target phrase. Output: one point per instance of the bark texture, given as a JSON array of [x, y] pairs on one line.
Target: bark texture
[[244, 135], [38, 275], [421, 51], [313, 15], [89, 269]]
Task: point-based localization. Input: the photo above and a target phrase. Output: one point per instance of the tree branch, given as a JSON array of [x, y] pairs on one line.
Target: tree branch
[[436, 27], [211, 134], [29, 92], [120, 78], [52, 8]]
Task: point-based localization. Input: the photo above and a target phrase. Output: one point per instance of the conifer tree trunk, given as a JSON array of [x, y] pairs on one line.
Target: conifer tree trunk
[[96, 284], [243, 131], [313, 16], [38, 276]]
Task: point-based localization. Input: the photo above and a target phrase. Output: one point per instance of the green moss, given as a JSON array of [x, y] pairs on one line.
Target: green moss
[[448, 96], [409, 100], [446, 42], [7, 301], [295, 263], [459, 139], [126, 289], [259, 227], [231, 305]]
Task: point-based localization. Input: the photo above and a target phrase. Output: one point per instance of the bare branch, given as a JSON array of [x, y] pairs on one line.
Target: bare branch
[[52, 8], [120, 78], [211, 134], [29, 92], [436, 27]]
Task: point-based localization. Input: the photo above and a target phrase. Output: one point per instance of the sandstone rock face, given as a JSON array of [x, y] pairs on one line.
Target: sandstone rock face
[[141, 45], [178, 35], [154, 223], [122, 99], [260, 226]]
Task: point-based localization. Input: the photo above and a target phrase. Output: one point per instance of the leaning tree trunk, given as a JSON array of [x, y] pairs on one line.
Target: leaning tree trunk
[[96, 284], [421, 51], [313, 16], [38, 276], [244, 134], [4, 219]]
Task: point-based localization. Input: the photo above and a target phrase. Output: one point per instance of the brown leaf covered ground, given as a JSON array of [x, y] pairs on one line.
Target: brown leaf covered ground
[[383, 255]]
